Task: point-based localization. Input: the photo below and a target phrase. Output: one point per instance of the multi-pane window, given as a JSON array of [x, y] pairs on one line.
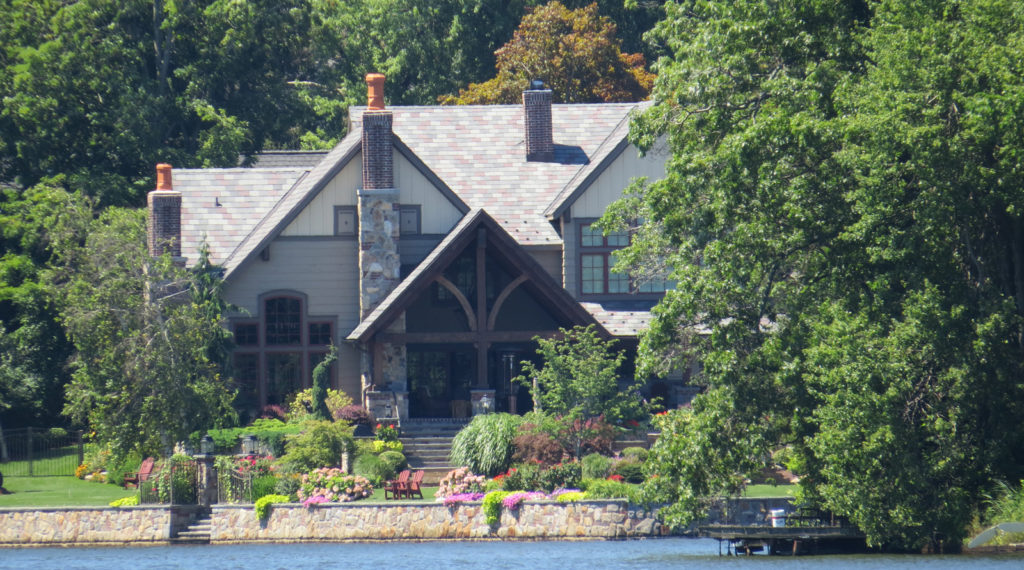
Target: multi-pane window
[[247, 334], [276, 351], [319, 333], [597, 258], [283, 320]]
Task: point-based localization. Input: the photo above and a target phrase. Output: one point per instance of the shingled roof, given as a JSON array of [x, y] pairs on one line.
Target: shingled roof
[[475, 154], [221, 206]]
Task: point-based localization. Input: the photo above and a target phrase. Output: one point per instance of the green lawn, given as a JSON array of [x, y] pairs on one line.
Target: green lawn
[[769, 491], [59, 492], [72, 492]]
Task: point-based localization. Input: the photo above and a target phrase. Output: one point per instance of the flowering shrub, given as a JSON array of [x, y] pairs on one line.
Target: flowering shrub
[[254, 465], [512, 500], [616, 478], [459, 481], [81, 471], [386, 432], [333, 485], [457, 498]]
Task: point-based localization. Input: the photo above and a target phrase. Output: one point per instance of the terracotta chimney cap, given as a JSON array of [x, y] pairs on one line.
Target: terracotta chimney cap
[[375, 91], [163, 177]]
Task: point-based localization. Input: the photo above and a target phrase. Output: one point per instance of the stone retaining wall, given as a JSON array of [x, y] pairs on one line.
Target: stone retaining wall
[[596, 519], [534, 520], [84, 526]]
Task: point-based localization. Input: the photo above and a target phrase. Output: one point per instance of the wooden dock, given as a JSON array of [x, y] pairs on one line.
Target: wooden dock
[[802, 535]]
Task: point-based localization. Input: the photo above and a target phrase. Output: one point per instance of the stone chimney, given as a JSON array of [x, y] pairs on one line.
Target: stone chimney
[[164, 231], [383, 367], [379, 263], [540, 145]]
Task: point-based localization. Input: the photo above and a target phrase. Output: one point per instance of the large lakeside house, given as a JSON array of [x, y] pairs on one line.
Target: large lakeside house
[[430, 245]]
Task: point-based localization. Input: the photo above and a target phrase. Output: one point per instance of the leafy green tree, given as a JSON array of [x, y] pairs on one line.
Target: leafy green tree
[[145, 333], [839, 215], [575, 52], [39, 230], [579, 377]]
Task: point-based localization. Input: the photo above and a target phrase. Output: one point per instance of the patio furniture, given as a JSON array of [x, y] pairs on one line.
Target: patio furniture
[[145, 470], [413, 487], [397, 488]]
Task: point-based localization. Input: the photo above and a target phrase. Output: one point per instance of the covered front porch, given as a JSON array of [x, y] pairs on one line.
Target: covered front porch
[[447, 342]]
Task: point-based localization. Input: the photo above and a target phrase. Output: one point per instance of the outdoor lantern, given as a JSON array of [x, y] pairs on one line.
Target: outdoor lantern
[[248, 444], [486, 403], [206, 446]]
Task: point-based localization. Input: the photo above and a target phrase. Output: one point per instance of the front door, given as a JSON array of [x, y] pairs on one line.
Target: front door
[[440, 377]]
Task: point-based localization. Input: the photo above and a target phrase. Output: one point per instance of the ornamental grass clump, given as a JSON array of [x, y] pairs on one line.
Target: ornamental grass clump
[[332, 485], [485, 444], [460, 481]]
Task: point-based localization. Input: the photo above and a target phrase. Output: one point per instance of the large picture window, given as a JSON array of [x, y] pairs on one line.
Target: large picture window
[[277, 350]]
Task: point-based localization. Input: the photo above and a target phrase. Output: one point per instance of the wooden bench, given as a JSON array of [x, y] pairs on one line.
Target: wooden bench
[[145, 470]]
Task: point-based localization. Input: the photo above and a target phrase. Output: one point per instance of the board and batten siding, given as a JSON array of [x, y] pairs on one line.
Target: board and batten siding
[[608, 188], [326, 271], [438, 215], [617, 177]]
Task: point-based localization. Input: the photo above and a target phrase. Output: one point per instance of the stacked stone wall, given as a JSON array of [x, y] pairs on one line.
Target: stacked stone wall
[[84, 526], [606, 519]]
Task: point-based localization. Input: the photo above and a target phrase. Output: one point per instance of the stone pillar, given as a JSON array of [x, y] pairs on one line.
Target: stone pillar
[[207, 491]]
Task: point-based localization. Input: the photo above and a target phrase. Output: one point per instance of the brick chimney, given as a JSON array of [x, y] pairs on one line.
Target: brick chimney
[[164, 231], [540, 145]]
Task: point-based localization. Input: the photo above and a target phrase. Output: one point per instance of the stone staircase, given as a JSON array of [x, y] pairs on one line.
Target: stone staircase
[[427, 445], [196, 531]]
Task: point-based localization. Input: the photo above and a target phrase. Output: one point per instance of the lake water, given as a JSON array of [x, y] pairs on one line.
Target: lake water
[[660, 553]]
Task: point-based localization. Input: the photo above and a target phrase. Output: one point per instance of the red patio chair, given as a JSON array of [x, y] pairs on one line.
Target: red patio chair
[[413, 487], [397, 487]]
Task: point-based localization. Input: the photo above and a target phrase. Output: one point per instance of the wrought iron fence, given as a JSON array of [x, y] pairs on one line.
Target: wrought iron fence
[[35, 452], [234, 486], [176, 482]]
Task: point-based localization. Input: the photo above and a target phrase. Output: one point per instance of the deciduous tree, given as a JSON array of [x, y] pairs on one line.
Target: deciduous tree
[[841, 215], [146, 372], [575, 52]]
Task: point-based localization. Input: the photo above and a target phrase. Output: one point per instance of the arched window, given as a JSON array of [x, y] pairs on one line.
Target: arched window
[[277, 350]]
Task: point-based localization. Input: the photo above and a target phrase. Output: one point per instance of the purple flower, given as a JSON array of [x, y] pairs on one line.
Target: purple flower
[[512, 501], [461, 497]]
